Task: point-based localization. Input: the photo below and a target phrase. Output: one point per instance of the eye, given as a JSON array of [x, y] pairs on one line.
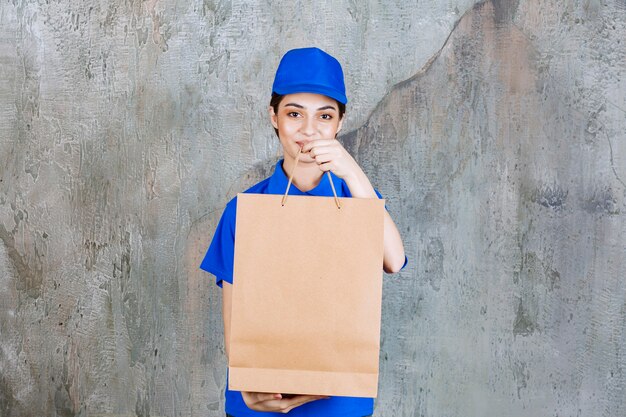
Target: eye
[[327, 116], [293, 114]]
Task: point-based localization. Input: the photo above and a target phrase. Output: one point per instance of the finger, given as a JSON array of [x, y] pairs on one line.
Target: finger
[[299, 400], [265, 396], [324, 142], [270, 405], [307, 147], [322, 150], [318, 142], [323, 158], [327, 166]]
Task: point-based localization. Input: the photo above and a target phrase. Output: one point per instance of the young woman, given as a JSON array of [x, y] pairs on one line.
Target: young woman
[[306, 110]]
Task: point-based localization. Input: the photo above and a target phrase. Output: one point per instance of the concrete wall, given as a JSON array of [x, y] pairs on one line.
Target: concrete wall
[[496, 130]]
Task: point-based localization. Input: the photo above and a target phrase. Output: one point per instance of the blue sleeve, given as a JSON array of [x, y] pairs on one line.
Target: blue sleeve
[[220, 256], [406, 261]]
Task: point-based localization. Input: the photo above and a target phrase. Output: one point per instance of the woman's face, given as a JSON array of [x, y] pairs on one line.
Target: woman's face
[[304, 117]]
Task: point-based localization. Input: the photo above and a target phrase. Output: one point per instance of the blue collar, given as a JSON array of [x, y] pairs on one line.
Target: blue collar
[[278, 184]]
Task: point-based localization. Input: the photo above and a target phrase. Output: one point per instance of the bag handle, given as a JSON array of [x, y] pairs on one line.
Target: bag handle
[[284, 200]]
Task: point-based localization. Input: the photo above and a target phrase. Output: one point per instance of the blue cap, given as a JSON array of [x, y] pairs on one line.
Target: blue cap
[[310, 70]]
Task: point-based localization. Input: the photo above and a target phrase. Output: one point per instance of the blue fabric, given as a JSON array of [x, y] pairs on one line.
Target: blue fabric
[[310, 70], [332, 407], [219, 261]]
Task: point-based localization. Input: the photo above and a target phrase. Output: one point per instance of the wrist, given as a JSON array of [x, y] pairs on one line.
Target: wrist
[[360, 186], [351, 178]]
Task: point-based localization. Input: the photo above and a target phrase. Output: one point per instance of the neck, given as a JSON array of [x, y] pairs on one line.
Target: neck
[[307, 175]]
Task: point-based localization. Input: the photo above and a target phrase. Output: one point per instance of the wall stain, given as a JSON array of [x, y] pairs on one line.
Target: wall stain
[[32, 165], [142, 405], [594, 125], [535, 270], [131, 300], [504, 11], [601, 201], [434, 271], [30, 275], [93, 249], [62, 402], [521, 374], [523, 324], [8, 402], [550, 196]]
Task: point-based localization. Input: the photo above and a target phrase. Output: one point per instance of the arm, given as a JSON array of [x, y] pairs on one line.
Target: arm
[[227, 297], [393, 249], [259, 401], [330, 155]]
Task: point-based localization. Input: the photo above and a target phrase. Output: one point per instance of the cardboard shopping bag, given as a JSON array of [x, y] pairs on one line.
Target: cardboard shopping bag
[[307, 292]]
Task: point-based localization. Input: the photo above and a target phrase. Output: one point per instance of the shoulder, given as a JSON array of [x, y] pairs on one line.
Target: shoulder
[[258, 188]]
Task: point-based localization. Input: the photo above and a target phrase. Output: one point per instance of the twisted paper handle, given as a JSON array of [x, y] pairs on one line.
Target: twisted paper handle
[[284, 200]]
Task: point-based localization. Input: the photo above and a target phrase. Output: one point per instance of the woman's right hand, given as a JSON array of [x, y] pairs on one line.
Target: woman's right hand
[[262, 401]]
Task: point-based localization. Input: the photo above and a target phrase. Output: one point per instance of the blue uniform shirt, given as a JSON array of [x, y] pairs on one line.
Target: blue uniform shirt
[[219, 261]]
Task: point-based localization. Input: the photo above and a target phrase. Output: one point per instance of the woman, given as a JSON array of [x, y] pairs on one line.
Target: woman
[[306, 110]]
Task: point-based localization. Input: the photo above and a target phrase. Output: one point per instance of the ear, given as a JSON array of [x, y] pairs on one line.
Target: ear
[[273, 117]]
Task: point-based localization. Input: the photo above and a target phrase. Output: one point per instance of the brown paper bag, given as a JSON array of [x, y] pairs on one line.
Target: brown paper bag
[[307, 295]]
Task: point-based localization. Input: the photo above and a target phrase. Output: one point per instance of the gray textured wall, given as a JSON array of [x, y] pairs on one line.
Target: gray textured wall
[[496, 130]]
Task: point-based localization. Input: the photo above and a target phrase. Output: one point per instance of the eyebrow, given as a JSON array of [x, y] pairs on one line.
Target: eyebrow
[[302, 107]]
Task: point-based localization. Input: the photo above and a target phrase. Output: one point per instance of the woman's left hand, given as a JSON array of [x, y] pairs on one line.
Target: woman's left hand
[[330, 155]]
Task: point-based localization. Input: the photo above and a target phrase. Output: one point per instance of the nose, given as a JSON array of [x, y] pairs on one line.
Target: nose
[[308, 127]]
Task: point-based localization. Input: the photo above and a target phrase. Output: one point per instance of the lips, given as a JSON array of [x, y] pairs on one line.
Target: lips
[[301, 143]]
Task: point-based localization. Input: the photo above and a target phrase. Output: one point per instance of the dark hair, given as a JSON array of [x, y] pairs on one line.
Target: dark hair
[[277, 98]]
